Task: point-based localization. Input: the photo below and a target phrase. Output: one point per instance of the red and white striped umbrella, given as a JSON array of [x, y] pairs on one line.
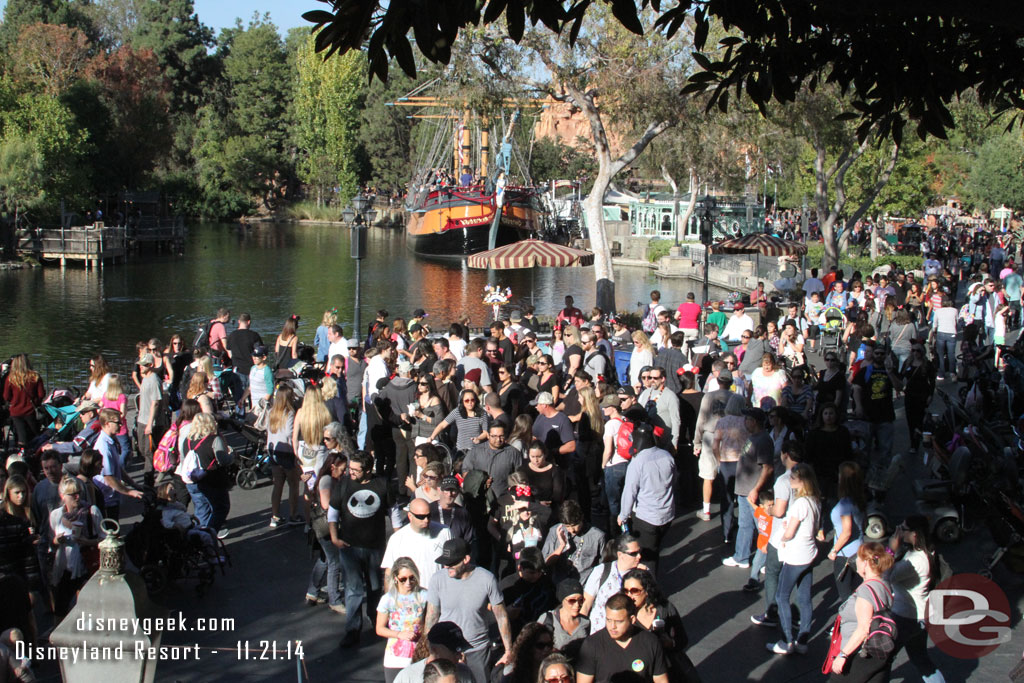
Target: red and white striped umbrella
[[759, 243], [530, 253]]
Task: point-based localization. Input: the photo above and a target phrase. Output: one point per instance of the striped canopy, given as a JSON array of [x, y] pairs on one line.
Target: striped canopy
[[530, 253], [759, 243]]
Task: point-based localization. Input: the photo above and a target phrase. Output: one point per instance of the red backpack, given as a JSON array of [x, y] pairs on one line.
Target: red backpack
[[624, 440]]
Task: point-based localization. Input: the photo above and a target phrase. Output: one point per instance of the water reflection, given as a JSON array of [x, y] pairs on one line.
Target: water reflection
[[270, 271]]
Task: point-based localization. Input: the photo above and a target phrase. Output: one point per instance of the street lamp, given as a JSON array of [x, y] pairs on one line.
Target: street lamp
[[708, 214], [359, 220]]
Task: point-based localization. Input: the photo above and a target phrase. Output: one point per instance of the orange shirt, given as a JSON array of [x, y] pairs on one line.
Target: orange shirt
[[764, 527]]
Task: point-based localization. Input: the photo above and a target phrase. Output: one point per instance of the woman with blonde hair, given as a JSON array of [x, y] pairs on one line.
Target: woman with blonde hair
[[430, 481], [76, 535], [320, 340], [198, 390], [400, 615], [308, 439], [797, 552], [641, 357], [23, 393], [282, 449], [572, 361], [204, 364], [205, 464], [115, 399]]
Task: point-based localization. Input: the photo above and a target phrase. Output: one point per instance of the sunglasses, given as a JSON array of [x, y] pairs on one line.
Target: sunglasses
[[633, 591], [645, 376], [631, 553], [469, 402], [562, 678], [574, 601], [541, 362], [406, 579], [424, 516], [428, 477], [423, 384]]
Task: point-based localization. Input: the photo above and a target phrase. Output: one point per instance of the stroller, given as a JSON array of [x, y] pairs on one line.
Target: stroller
[[163, 556], [252, 460], [833, 321]]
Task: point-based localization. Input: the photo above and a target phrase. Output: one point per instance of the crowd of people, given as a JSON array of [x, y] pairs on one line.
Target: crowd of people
[[528, 484]]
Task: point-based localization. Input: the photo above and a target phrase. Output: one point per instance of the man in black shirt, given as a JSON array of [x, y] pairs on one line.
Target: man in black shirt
[[873, 388], [621, 651], [359, 506], [446, 511], [240, 345]]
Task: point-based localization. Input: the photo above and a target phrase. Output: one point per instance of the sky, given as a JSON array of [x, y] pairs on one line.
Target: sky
[[218, 14]]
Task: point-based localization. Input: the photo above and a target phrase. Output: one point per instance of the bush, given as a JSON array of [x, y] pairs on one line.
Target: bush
[[656, 248], [816, 251], [309, 211]]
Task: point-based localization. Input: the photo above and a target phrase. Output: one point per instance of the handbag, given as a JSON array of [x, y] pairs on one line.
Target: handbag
[[882, 634], [834, 646]]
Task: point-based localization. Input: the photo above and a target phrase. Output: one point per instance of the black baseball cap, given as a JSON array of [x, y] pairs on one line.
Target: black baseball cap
[[452, 552], [447, 634], [259, 351], [450, 483]]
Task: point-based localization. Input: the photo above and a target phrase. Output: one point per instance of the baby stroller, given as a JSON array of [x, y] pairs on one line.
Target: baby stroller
[[163, 556], [832, 324], [252, 460]]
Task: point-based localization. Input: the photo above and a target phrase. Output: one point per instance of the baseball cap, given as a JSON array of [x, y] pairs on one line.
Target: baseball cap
[[543, 398], [515, 316], [449, 483], [415, 327], [453, 551], [725, 376], [738, 306], [86, 406], [626, 392], [419, 313], [404, 367], [447, 634], [610, 401], [146, 360], [259, 351]]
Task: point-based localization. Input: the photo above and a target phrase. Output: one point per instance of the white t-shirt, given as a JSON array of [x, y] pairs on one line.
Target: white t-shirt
[[457, 347], [801, 549], [422, 549], [909, 578], [611, 429], [338, 348], [782, 489]]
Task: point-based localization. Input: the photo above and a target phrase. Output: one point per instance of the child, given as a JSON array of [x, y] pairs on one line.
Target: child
[[999, 337], [763, 519], [173, 515], [812, 311], [115, 399]]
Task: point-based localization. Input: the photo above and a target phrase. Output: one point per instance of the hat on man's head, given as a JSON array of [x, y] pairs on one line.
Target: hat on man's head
[[404, 367], [738, 306], [610, 401], [626, 392], [87, 406], [259, 351], [543, 398], [474, 375], [415, 327], [447, 634], [515, 316], [419, 313], [725, 376], [453, 551], [449, 483]]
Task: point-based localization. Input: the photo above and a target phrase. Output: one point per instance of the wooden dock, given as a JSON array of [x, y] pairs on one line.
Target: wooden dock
[[95, 245]]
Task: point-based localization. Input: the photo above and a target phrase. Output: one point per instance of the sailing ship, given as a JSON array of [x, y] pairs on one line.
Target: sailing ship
[[467, 210]]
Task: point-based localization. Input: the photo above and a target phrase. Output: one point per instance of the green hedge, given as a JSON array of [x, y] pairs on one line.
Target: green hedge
[[865, 264], [656, 248]]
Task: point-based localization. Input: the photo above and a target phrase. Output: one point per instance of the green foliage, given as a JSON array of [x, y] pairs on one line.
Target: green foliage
[[656, 248], [865, 264], [19, 14], [385, 133], [554, 160], [22, 174], [310, 211], [997, 174], [328, 97]]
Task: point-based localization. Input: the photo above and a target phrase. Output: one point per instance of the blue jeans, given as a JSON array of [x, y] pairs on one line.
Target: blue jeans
[[125, 442], [772, 569], [200, 505], [359, 564], [880, 443], [746, 531], [800, 576], [614, 480], [912, 636], [902, 355], [220, 504], [327, 572], [727, 473], [361, 434], [945, 352]]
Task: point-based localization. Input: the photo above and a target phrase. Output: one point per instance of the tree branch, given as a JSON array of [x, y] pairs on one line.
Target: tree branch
[[880, 183]]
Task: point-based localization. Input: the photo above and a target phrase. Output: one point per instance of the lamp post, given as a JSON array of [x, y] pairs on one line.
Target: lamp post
[[358, 216], [708, 214]]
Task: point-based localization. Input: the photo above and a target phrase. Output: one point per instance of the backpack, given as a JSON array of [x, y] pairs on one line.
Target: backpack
[[650, 321], [203, 336], [624, 440], [165, 457], [882, 634]]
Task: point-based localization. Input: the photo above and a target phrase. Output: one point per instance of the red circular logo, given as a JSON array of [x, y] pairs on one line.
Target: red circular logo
[[968, 616]]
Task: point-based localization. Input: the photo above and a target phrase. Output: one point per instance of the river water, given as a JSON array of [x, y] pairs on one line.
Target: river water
[[271, 271]]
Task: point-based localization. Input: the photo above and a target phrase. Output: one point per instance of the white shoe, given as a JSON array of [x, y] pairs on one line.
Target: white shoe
[[730, 562], [780, 647]]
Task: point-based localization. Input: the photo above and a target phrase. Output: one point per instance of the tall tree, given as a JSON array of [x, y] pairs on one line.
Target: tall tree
[[21, 13], [997, 174], [115, 20], [328, 99], [385, 133], [49, 57]]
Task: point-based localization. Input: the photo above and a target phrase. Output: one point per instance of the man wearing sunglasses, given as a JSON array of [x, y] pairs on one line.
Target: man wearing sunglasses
[[112, 479], [606, 579], [463, 594], [420, 540]]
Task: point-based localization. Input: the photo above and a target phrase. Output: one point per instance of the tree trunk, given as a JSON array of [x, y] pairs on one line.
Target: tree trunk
[[694, 183], [593, 210]]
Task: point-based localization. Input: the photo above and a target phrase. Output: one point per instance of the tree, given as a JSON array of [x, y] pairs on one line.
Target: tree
[[241, 140], [21, 13], [49, 57], [554, 160], [997, 175], [385, 134], [940, 49], [136, 95], [328, 98], [21, 180], [116, 21]]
